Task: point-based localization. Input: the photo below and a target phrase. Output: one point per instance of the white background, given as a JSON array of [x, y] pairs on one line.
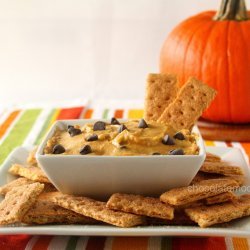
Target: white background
[[67, 49]]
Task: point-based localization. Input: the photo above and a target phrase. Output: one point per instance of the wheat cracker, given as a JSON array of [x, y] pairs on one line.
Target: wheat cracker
[[212, 157], [221, 168], [96, 210], [198, 191], [219, 198], [209, 215], [18, 201], [32, 173], [161, 90], [45, 211], [137, 204], [192, 99]]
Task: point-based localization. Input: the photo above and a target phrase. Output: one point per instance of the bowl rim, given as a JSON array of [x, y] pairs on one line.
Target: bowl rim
[[40, 154]]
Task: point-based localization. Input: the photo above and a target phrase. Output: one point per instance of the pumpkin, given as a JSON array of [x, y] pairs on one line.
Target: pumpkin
[[215, 48]]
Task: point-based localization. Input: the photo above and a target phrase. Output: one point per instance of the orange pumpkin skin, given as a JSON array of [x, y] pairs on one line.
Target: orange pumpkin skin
[[218, 53]]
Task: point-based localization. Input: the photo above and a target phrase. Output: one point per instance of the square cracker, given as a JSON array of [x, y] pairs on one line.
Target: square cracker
[[18, 201], [209, 215], [161, 90], [192, 99], [32, 173], [220, 198], [212, 157], [137, 204], [46, 212], [15, 183], [200, 176], [180, 218], [198, 191], [96, 210], [221, 168], [48, 187]]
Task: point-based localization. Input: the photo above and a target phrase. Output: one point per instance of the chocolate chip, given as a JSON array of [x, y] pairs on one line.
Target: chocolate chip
[[167, 140], [178, 151], [114, 121], [70, 126], [74, 131], [179, 136], [93, 137], [121, 128], [99, 126], [142, 124], [156, 153], [58, 149], [86, 150], [123, 147]]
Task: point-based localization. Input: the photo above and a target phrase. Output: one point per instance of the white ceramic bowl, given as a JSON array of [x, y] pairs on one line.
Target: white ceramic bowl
[[101, 176]]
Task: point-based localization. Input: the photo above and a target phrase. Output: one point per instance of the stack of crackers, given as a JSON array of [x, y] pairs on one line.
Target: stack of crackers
[[208, 200], [179, 107]]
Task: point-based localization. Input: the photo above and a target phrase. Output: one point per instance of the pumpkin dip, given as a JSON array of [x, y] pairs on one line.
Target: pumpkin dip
[[133, 137]]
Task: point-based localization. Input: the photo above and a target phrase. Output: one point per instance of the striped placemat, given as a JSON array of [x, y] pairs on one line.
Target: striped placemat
[[28, 126]]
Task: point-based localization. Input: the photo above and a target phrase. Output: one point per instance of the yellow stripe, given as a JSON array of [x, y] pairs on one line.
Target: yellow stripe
[[135, 113], [53, 119], [240, 243], [209, 143], [47, 125]]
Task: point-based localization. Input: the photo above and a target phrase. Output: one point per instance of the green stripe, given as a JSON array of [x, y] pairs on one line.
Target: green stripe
[[19, 132], [45, 127], [72, 243], [166, 243], [105, 114]]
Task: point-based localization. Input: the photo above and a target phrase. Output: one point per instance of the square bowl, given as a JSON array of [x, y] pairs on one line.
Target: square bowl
[[101, 176]]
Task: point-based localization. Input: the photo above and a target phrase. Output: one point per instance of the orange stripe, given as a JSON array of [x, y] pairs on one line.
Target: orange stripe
[[88, 114], [14, 241], [199, 243], [135, 113], [5, 125], [240, 243], [70, 113], [119, 113], [42, 243], [131, 243], [246, 146]]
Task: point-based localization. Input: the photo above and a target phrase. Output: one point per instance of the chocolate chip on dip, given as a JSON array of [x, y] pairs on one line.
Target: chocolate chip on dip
[[85, 150], [121, 128], [58, 149], [178, 151], [74, 131], [114, 121], [179, 136], [93, 137], [142, 124], [156, 153], [99, 126], [167, 140]]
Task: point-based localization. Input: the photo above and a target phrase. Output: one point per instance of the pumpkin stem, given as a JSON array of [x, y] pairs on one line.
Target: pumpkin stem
[[232, 10]]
